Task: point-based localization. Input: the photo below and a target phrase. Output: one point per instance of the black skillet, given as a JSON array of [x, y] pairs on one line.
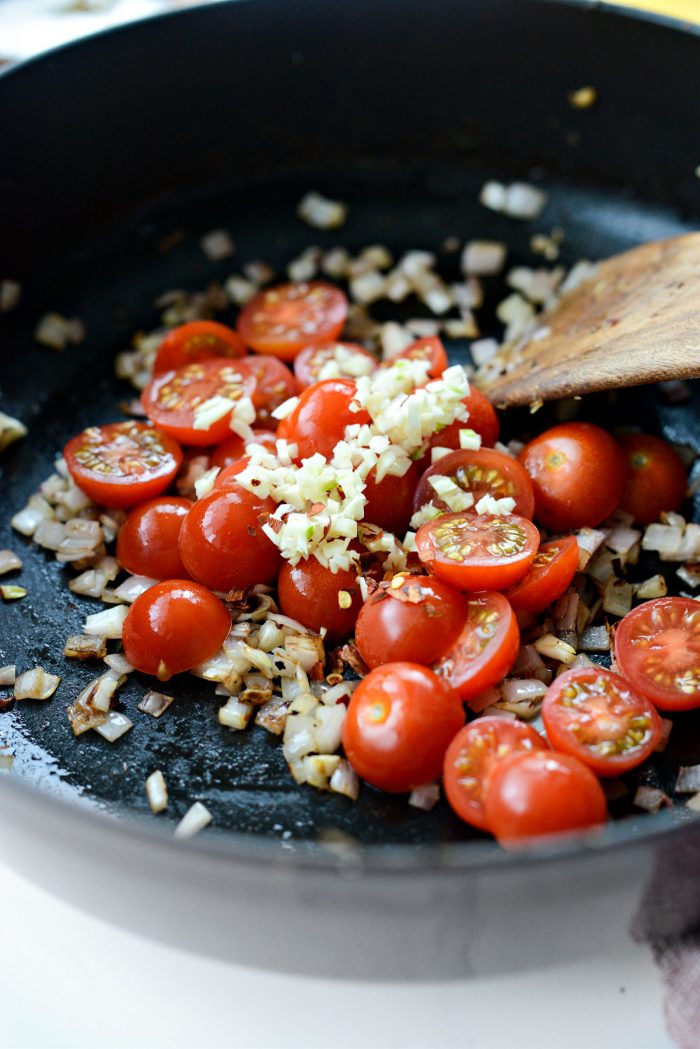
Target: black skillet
[[223, 116]]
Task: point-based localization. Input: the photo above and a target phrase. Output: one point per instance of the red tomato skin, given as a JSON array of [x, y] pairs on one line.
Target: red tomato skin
[[318, 421], [471, 757], [539, 589], [578, 474], [429, 349], [474, 572], [222, 543], [122, 490], [234, 447], [310, 361], [537, 794], [147, 540], [392, 629], [560, 721], [298, 308], [309, 592], [470, 666], [482, 419], [173, 627], [473, 472], [274, 384], [230, 472], [400, 721], [197, 341], [675, 625], [656, 479], [390, 503]]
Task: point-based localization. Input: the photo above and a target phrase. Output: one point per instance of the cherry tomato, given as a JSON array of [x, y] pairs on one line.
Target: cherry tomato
[[147, 540], [540, 793], [284, 319], [656, 479], [274, 384], [318, 421], [400, 720], [596, 716], [196, 341], [414, 618], [550, 574], [336, 360], [483, 472], [482, 419], [172, 399], [429, 349], [390, 502], [234, 447], [478, 552], [319, 598], [578, 473], [173, 627], [222, 543], [231, 471], [471, 757], [486, 648], [121, 464], [657, 648]]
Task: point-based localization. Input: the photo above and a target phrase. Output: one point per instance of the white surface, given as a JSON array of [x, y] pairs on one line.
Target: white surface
[[71, 981]]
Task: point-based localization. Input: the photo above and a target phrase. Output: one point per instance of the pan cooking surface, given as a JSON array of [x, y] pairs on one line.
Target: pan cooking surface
[[111, 285]]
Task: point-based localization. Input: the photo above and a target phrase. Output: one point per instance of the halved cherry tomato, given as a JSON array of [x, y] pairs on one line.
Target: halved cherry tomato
[[222, 543], [596, 716], [656, 480], [318, 421], [284, 319], [197, 341], [171, 400], [478, 552], [173, 627], [472, 756], [483, 472], [319, 598], [486, 648], [122, 464], [657, 648], [400, 720], [482, 419], [550, 574], [429, 349], [390, 502], [234, 447], [414, 617], [540, 793], [336, 360], [578, 473], [274, 384], [147, 540]]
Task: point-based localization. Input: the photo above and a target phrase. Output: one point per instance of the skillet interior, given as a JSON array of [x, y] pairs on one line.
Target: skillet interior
[[397, 197]]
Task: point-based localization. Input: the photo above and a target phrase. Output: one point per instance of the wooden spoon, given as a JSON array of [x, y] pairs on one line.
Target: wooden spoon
[[637, 320]]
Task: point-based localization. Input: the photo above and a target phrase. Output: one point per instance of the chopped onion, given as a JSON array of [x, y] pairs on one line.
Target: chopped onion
[[322, 212], [688, 780], [10, 294], [306, 650], [595, 639], [36, 684], [235, 713], [114, 726], [617, 597], [272, 715], [425, 797], [157, 792], [108, 623], [9, 561], [690, 574], [522, 697], [622, 539], [345, 781], [195, 819], [337, 693], [7, 758], [12, 592], [693, 803], [8, 675], [654, 586], [155, 703], [554, 648], [651, 799], [483, 258], [217, 245], [132, 587], [118, 663], [240, 290], [589, 541], [85, 646]]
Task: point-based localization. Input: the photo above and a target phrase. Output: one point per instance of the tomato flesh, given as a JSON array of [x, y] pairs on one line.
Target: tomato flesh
[[413, 618], [549, 576], [196, 341], [482, 472], [147, 539], [172, 400], [122, 464], [336, 360], [173, 627], [478, 552], [318, 421], [657, 648], [656, 479], [400, 720], [284, 319], [486, 648], [472, 756], [318, 598], [596, 716]]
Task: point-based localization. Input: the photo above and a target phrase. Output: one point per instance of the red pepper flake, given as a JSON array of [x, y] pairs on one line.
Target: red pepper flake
[[315, 508], [349, 654]]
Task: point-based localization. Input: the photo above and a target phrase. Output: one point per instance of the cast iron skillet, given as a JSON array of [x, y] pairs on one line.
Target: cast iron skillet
[[225, 115]]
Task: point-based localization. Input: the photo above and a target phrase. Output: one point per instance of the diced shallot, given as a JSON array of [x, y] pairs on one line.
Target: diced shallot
[[36, 684], [195, 819], [157, 792]]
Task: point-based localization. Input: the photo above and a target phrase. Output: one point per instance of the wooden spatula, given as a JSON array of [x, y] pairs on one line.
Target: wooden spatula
[[636, 321]]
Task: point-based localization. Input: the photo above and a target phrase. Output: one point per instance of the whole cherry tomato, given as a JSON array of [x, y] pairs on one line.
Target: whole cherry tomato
[[147, 539], [318, 421], [656, 479], [317, 597]]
